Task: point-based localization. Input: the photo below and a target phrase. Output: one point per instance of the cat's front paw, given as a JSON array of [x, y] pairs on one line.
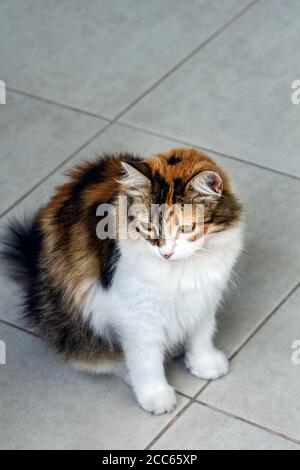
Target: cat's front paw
[[158, 401], [209, 366]]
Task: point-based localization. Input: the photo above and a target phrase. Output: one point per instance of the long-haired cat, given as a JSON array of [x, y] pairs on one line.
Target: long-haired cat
[[123, 304]]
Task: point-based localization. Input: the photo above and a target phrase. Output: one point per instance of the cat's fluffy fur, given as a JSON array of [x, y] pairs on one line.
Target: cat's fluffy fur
[[118, 305]]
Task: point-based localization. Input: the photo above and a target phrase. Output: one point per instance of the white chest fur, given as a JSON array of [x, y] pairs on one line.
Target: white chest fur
[[164, 299]]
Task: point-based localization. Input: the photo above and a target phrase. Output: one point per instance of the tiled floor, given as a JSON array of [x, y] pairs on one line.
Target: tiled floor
[[83, 78]]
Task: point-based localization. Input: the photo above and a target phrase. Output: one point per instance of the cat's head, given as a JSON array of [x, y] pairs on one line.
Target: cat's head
[[179, 200]]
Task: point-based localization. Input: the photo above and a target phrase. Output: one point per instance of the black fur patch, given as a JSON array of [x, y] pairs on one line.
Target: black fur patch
[[109, 266], [45, 308], [174, 160], [107, 250], [179, 187], [60, 324], [71, 211], [68, 213], [20, 249], [160, 189]]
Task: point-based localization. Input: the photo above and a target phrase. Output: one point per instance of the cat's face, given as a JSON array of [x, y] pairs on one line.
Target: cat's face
[[171, 232], [180, 199]]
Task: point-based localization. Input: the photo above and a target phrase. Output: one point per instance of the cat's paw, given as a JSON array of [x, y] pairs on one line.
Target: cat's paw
[[158, 401], [209, 366]]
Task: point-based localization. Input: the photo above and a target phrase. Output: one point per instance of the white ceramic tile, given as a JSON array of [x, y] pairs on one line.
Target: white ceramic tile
[[101, 55], [264, 382], [201, 428], [45, 405], [234, 96], [35, 138]]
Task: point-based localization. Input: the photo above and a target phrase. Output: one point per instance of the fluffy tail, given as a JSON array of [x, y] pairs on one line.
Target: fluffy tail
[[20, 249]]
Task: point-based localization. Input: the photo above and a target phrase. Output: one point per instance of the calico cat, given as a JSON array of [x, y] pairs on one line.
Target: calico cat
[[121, 305]]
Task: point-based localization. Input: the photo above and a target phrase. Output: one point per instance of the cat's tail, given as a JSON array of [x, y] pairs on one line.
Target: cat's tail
[[20, 247]]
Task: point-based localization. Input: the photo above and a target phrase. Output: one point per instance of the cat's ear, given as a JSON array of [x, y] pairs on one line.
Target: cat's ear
[[135, 178], [207, 183]]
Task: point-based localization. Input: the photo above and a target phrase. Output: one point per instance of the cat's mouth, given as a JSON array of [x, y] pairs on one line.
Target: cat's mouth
[[174, 257]]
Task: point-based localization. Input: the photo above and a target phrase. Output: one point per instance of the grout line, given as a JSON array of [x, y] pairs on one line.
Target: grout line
[[213, 36], [110, 123], [24, 330], [263, 322], [183, 395], [170, 423], [127, 108], [253, 334], [174, 419], [207, 383], [58, 167], [188, 405], [246, 421], [56, 103], [146, 131], [256, 165], [207, 149], [195, 399]]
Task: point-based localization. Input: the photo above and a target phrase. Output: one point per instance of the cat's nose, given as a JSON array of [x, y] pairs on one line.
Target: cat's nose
[[168, 255]]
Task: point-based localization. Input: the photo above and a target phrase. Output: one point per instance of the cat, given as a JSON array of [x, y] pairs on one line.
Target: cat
[[122, 305]]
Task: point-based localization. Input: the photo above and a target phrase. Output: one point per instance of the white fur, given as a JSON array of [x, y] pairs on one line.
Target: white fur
[[156, 304]]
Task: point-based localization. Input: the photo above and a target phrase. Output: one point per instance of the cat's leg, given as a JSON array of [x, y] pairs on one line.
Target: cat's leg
[[111, 367], [145, 362], [202, 358]]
